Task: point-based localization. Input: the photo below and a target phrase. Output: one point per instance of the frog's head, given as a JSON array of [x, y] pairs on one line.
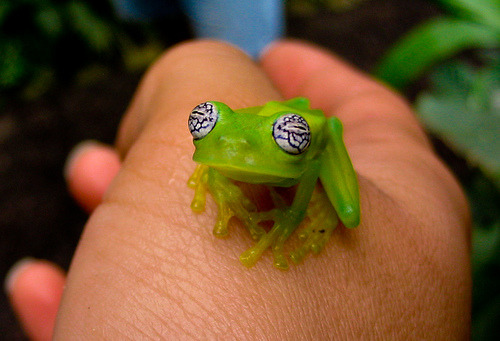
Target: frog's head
[[271, 146]]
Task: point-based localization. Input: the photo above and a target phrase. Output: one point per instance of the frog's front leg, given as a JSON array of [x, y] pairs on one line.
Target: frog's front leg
[[286, 221], [230, 200]]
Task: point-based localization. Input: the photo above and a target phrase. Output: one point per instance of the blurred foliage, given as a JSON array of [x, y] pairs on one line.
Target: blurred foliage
[[474, 24], [484, 12], [45, 40], [462, 108], [485, 203], [429, 43]]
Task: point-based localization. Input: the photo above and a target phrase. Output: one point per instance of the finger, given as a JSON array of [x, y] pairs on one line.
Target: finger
[[384, 139], [35, 289], [89, 170]]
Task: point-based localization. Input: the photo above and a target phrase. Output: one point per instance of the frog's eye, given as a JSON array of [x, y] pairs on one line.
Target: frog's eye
[[291, 132], [202, 120]]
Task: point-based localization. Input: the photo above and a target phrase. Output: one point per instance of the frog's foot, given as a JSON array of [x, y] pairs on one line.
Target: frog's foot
[[285, 223], [323, 220], [313, 238], [229, 198]]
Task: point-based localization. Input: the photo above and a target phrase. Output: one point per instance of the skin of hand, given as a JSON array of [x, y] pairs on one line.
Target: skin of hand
[[146, 266]]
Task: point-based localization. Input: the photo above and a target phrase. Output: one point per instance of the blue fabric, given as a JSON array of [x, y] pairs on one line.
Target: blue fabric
[[248, 24]]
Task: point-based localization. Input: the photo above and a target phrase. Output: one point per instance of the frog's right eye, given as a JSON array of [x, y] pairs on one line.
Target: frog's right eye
[[292, 133], [203, 119]]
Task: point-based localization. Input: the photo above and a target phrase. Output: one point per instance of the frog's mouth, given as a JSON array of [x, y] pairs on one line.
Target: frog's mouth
[[255, 177], [254, 174]]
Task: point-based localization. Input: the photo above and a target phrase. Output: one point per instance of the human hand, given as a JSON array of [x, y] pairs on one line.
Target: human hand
[[147, 266]]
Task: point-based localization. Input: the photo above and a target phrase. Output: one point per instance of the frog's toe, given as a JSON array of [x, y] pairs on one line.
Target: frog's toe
[[298, 255], [256, 232], [317, 247], [220, 230], [250, 257], [314, 241], [198, 206], [280, 262]]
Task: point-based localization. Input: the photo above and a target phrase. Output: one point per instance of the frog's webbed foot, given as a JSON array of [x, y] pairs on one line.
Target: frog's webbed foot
[[230, 200], [313, 237], [322, 221], [285, 222]]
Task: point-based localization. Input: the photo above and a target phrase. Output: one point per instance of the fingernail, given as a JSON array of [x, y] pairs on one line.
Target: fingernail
[[75, 153], [14, 273]]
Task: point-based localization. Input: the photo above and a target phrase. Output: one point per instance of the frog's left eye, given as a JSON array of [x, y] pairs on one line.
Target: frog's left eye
[[202, 120], [291, 132]]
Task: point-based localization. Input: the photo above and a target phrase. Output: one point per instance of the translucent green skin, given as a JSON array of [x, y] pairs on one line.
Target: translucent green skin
[[241, 147]]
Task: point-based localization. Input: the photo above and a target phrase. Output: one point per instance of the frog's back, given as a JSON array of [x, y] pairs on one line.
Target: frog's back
[[299, 105]]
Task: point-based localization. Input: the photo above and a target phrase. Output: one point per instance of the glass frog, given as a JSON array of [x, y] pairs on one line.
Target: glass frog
[[280, 144]]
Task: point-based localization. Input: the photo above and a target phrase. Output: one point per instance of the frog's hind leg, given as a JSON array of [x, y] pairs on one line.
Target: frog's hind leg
[[323, 220]]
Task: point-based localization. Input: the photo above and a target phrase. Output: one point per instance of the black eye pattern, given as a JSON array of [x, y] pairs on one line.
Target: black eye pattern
[[291, 132], [202, 120]]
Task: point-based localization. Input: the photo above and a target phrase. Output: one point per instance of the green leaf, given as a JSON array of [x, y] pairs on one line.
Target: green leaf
[[94, 30], [485, 12], [430, 43], [464, 111], [49, 21], [12, 63]]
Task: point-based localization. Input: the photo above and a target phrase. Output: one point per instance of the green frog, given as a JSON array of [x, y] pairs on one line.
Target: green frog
[[279, 144]]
